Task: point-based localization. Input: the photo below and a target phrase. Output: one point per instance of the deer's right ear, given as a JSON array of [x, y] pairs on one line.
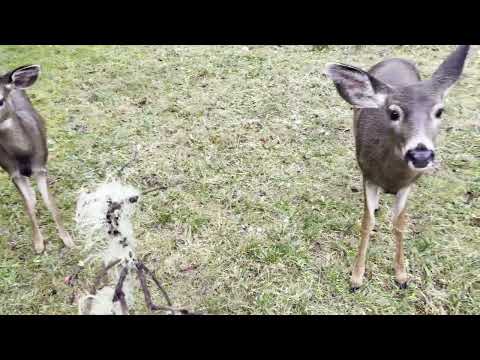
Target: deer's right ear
[[356, 86], [25, 76], [450, 70]]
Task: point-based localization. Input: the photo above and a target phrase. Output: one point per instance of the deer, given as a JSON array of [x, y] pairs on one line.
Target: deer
[[23, 148], [396, 120]]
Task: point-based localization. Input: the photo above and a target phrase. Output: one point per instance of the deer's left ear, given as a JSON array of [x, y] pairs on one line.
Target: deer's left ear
[[24, 76], [450, 70], [356, 86]]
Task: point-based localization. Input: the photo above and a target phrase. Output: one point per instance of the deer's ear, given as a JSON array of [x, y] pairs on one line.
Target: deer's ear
[[356, 86], [25, 76], [450, 70]]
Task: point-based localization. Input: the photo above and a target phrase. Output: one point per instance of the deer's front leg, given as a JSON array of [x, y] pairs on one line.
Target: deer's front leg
[[371, 196], [399, 226], [28, 195]]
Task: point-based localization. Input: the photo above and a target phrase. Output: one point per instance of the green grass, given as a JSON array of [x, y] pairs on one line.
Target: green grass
[[257, 152]]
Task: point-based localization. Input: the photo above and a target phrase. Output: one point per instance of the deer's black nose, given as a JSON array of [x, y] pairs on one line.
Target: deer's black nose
[[420, 156]]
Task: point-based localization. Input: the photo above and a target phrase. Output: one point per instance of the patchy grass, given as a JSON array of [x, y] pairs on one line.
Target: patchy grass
[[262, 214]]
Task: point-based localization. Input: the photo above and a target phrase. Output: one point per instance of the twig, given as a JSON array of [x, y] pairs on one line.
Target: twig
[[119, 295], [152, 275], [158, 188], [141, 270], [173, 310], [71, 279], [135, 155], [104, 273], [162, 187], [146, 291]]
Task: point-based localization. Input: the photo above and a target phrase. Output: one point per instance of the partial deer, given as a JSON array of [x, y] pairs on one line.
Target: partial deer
[[396, 121], [23, 148]]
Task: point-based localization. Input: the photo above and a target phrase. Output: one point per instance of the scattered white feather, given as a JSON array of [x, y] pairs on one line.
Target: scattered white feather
[[93, 227], [91, 221], [100, 303]]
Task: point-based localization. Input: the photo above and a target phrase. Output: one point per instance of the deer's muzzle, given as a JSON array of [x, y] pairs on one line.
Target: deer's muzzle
[[420, 157]]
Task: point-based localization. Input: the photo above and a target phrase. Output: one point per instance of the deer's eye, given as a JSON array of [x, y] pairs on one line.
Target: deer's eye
[[438, 113], [394, 112], [394, 115], [2, 102]]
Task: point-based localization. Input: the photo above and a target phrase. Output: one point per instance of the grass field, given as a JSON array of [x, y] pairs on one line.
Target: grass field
[[262, 210]]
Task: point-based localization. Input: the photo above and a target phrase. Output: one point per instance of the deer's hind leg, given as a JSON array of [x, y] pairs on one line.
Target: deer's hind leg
[[371, 197], [29, 199], [48, 199]]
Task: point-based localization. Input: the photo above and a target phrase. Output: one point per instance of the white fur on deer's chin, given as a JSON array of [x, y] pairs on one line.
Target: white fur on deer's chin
[[429, 169]]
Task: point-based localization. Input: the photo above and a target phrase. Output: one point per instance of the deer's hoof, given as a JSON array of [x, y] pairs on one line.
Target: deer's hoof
[[356, 280], [67, 240], [401, 278], [39, 247], [355, 285], [354, 289]]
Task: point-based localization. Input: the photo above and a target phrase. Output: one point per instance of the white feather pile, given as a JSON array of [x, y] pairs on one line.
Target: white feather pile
[[90, 217], [91, 212], [100, 303]]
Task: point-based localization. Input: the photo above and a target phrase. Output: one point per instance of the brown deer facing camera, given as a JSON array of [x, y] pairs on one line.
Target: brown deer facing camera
[[23, 147], [396, 121]]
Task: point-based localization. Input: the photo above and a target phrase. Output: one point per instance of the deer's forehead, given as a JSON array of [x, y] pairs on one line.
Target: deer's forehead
[[414, 98]]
